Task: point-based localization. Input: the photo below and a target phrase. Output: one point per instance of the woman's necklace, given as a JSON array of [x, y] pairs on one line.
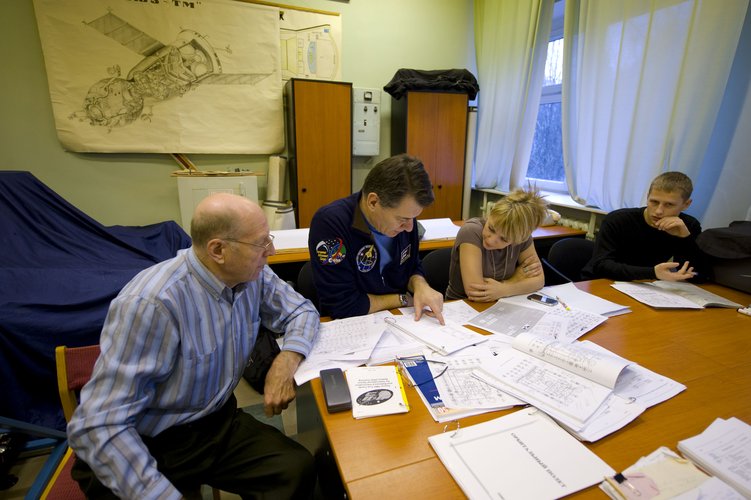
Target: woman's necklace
[[505, 265]]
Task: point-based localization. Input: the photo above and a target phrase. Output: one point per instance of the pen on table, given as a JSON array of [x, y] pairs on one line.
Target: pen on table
[[566, 307], [620, 480]]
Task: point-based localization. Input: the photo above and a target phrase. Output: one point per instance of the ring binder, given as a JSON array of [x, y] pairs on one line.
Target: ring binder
[[456, 431]]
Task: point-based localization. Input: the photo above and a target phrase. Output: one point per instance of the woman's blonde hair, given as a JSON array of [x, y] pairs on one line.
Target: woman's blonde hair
[[518, 214]]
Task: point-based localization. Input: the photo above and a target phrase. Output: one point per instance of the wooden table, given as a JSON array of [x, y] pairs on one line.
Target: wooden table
[[707, 350], [291, 255]]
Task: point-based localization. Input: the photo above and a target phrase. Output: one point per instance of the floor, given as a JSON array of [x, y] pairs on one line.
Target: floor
[[27, 468]]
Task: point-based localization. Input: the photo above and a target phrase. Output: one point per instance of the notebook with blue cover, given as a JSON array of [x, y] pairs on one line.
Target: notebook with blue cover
[[422, 378]]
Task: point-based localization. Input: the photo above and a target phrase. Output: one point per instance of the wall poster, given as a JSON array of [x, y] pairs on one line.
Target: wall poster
[[164, 76], [311, 45]]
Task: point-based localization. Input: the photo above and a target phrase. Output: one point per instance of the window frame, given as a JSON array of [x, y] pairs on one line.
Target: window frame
[[552, 94]]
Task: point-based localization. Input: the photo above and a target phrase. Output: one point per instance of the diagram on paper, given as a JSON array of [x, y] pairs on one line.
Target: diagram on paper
[[309, 53], [166, 71]]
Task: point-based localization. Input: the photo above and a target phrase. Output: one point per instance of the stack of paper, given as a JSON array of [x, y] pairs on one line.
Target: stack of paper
[[514, 315], [587, 388], [724, 450], [518, 456], [664, 474], [449, 390], [443, 339], [342, 343], [438, 229], [673, 295]]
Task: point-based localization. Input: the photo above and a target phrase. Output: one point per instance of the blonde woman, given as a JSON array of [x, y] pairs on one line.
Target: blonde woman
[[495, 257]]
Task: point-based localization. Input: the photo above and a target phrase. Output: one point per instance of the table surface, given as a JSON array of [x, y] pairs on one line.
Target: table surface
[[290, 255], [706, 350]]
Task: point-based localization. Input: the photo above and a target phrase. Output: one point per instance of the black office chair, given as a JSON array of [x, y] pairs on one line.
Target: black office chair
[[436, 266], [566, 259], [305, 285]]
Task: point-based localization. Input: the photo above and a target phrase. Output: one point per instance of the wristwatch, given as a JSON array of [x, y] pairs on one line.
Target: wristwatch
[[403, 300]]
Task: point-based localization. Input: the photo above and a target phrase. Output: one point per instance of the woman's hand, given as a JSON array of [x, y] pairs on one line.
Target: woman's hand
[[489, 290]]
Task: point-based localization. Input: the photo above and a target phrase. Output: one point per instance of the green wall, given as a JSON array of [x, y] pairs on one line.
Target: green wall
[[379, 37]]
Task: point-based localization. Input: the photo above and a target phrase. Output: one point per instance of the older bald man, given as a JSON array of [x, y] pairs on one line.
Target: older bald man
[[158, 417]]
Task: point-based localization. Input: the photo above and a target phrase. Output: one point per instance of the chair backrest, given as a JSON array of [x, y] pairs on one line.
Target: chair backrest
[[74, 367], [305, 285], [436, 266], [566, 258]]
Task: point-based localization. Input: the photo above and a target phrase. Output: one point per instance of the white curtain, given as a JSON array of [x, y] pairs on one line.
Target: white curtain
[[642, 85], [511, 39]]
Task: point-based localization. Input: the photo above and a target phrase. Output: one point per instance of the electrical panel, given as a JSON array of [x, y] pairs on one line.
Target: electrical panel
[[366, 124]]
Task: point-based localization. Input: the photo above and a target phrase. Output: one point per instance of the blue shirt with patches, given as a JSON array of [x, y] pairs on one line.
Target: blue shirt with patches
[[346, 260]]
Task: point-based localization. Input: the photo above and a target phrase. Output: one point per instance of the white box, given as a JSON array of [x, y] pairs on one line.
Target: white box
[[195, 187]]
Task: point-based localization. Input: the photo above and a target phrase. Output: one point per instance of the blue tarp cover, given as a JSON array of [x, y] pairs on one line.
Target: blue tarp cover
[[59, 271]]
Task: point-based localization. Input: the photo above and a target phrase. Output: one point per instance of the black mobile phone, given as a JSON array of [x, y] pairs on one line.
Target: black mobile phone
[[542, 299], [335, 390]]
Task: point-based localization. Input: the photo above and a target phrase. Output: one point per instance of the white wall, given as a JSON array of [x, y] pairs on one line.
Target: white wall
[[379, 37]]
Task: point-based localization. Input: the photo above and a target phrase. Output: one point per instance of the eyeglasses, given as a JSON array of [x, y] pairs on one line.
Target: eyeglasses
[[404, 362], [265, 246]]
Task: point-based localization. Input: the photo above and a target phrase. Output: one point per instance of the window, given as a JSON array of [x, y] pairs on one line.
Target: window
[[545, 168]]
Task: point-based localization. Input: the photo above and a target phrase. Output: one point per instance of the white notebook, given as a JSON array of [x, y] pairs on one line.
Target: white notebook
[[518, 456], [723, 450]]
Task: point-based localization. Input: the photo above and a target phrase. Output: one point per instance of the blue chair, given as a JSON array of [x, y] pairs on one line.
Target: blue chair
[[566, 258], [305, 285], [436, 266]]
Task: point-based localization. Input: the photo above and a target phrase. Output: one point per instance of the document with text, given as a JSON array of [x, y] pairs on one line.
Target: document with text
[[724, 450], [673, 295], [518, 456], [342, 343], [569, 381], [443, 339], [509, 318]]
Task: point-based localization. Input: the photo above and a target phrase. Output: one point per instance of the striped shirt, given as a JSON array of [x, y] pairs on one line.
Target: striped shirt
[[174, 345]]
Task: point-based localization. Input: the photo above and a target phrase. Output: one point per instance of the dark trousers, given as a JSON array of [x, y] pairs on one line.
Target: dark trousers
[[229, 450]]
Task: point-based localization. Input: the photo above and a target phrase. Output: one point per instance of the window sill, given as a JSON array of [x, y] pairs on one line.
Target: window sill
[[563, 200], [553, 198]]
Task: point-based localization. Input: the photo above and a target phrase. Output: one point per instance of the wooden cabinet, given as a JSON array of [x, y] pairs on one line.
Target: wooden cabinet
[[319, 143], [433, 127]]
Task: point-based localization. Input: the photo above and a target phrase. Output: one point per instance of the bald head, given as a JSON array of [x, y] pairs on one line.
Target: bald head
[[224, 215]]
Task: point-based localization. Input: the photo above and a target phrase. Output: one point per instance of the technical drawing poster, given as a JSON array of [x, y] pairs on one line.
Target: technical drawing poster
[[311, 45], [166, 76]]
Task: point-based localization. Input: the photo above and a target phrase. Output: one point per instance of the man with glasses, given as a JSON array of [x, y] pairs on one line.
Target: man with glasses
[[158, 417], [364, 248]]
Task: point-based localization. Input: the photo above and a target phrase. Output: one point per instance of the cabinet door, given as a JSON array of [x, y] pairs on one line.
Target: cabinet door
[[323, 136], [436, 133]]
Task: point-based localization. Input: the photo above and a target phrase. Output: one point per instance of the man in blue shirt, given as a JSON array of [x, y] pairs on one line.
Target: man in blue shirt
[[158, 417], [364, 248]]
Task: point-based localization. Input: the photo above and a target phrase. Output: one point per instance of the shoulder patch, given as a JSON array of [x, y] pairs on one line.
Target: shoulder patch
[[366, 258], [406, 253], [331, 251]]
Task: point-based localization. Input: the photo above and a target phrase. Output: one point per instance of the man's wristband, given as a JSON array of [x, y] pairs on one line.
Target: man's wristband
[[403, 300]]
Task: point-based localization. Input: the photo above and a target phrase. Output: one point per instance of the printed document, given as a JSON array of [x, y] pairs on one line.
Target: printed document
[[724, 450], [510, 318], [673, 295], [438, 229], [569, 381], [342, 343], [585, 301], [443, 339], [518, 456], [449, 390]]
